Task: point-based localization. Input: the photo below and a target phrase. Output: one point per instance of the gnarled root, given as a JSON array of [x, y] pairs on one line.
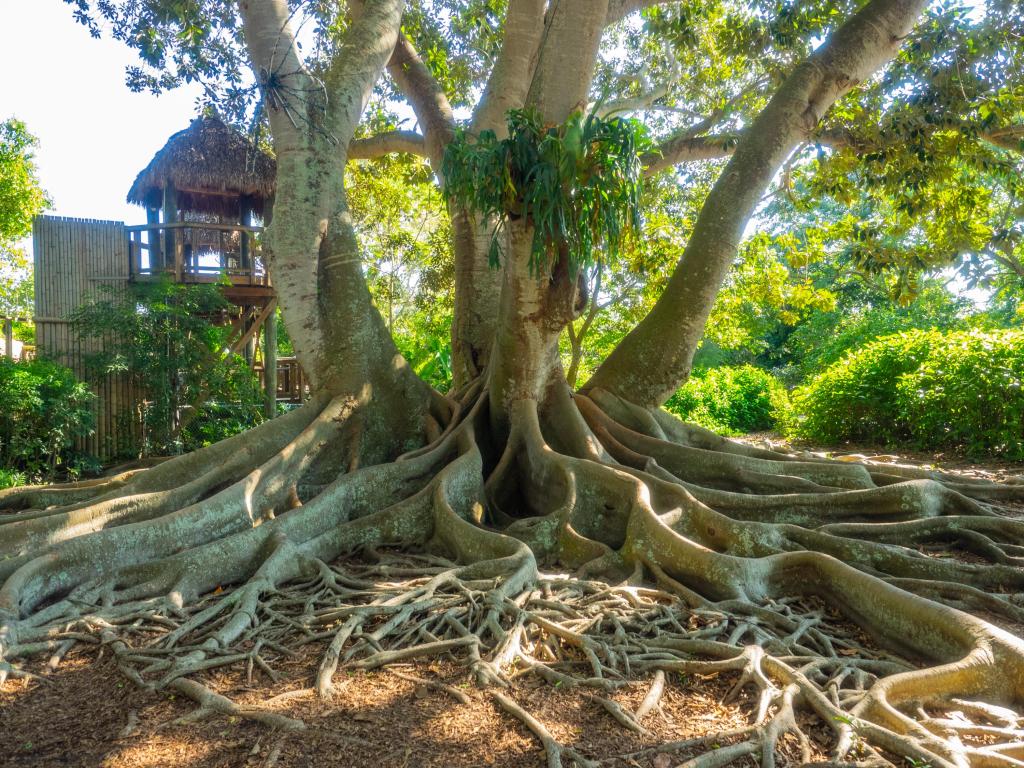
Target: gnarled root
[[810, 581]]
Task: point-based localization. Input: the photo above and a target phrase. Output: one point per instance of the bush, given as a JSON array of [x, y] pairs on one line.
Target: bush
[[43, 408], [854, 398], [967, 395], [731, 400], [166, 342], [11, 477], [926, 389]]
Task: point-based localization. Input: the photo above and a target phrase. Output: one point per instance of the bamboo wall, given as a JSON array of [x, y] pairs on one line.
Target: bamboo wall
[[74, 259]]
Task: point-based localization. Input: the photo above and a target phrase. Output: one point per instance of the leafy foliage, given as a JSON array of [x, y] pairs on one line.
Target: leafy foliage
[[21, 198], [169, 346], [405, 239], [967, 394], [825, 337], [731, 400], [577, 183], [959, 390], [43, 408]]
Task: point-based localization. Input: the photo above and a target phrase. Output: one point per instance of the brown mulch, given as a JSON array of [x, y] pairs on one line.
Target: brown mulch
[[80, 715]]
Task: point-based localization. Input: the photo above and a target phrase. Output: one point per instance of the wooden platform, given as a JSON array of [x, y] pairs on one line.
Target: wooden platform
[[200, 252]]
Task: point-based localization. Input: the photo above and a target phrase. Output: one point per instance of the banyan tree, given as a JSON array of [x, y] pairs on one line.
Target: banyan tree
[[704, 554]]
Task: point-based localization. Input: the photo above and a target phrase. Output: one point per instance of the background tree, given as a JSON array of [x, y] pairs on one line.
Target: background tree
[[512, 468], [21, 199]]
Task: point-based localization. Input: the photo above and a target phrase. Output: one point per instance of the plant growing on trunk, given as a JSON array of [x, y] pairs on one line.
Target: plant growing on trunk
[[731, 555]]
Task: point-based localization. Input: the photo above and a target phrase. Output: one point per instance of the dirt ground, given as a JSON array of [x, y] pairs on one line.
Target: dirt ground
[[988, 469], [86, 714]]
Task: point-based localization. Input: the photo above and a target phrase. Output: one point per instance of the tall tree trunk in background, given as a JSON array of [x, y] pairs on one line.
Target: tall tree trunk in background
[[534, 310], [477, 283]]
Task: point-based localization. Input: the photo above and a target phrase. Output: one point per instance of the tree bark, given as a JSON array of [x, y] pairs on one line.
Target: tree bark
[[477, 284], [340, 338], [655, 357]]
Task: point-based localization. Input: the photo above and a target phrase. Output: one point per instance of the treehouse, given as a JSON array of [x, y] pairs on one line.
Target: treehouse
[[205, 194], [201, 193]]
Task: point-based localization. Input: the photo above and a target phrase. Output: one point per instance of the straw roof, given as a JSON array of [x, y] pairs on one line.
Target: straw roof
[[211, 166]]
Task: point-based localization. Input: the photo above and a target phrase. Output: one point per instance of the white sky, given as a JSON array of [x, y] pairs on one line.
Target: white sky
[[95, 135]]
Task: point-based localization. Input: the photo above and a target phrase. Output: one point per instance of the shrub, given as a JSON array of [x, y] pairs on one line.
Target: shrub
[[967, 395], [11, 477], [166, 341], [825, 337], [927, 389], [731, 400], [43, 408], [854, 398]]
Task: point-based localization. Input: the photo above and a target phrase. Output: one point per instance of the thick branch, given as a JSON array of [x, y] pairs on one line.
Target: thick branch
[[655, 358], [568, 56], [477, 285], [1011, 137], [314, 255], [510, 78], [682, 148], [428, 99], [387, 143], [620, 9]]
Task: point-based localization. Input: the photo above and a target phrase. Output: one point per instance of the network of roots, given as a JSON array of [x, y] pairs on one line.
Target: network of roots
[[596, 543]]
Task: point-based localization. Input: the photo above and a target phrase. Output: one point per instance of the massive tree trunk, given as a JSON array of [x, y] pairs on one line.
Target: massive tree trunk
[[313, 255], [689, 552]]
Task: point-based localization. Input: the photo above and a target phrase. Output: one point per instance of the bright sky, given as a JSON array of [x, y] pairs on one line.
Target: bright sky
[[95, 135]]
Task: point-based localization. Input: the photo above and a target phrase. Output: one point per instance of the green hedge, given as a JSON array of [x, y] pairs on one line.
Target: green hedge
[[927, 389], [731, 400], [43, 408]]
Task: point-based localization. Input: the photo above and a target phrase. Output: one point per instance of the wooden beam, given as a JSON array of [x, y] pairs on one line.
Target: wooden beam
[[245, 337], [170, 217], [155, 252], [196, 225], [270, 365]]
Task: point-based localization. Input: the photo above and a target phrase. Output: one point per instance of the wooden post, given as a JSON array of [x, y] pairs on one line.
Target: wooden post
[[270, 365], [155, 251], [170, 216], [245, 219], [251, 326], [179, 253], [9, 338]]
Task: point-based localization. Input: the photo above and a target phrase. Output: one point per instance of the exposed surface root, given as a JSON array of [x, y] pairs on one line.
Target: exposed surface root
[[639, 547]]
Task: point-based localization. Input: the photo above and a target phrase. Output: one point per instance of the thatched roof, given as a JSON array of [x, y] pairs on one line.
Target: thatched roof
[[211, 165]]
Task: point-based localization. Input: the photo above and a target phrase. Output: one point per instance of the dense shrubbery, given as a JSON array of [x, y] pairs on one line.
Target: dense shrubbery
[[43, 408], [731, 399], [957, 390]]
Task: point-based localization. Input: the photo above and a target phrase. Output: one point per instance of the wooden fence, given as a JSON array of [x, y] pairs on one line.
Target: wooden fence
[[78, 260]]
